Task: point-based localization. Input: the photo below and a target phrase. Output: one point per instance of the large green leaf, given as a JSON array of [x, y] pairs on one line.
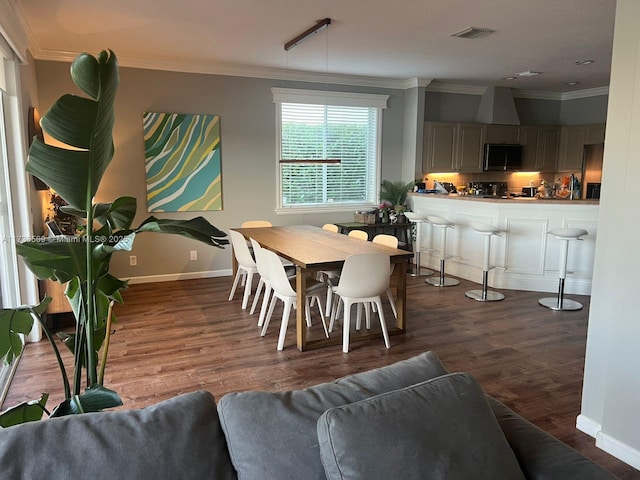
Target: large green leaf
[[24, 412], [119, 214], [197, 228], [54, 259], [13, 324], [86, 123], [94, 399]]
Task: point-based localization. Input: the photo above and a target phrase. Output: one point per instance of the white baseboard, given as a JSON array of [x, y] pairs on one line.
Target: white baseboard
[[588, 426], [172, 277], [614, 447], [619, 449]]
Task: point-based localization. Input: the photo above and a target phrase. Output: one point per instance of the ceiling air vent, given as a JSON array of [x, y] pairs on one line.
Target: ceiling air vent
[[473, 32]]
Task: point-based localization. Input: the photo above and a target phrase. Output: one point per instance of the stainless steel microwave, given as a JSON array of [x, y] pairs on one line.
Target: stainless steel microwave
[[502, 157]]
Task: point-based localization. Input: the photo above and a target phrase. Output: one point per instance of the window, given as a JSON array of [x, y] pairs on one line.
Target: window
[[328, 149]]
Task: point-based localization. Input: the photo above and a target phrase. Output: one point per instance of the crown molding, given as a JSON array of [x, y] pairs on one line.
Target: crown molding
[[590, 92], [459, 89], [13, 29]]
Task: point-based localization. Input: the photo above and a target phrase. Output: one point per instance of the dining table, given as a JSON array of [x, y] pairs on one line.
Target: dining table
[[312, 249]]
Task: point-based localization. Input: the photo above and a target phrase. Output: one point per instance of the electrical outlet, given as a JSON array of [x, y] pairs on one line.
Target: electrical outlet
[[133, 261], [194, 255]]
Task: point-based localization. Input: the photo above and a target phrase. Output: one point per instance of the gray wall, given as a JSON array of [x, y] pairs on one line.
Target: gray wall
[[455, 107], [247, 120]]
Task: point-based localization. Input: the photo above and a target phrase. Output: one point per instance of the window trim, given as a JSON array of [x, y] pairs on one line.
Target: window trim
[[325, 97]]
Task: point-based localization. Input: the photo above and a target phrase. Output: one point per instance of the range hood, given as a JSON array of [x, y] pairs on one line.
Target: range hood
[[497, 106]]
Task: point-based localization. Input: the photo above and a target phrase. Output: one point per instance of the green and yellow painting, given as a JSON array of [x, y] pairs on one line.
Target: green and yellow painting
[[182, 160]]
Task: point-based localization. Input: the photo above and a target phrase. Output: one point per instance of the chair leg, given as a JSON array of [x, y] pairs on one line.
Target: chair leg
[[346, 324], [322, 317], [383, 325], [285, 322], [329, 301], [268, 319], [335, 311], [392, 302], [265, 304], [307, 312], [358, 316], [247, 290], [257, 296], [235, 284]]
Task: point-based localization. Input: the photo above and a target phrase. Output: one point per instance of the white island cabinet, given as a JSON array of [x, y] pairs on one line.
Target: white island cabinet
[[525, 257]]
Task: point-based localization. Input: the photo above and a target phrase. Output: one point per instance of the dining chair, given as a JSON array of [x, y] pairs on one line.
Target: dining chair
[[264, 281], [388, 241], [283, 290], [331, 227], [246, 266], [363, 278], [256, 224], [359, 234]]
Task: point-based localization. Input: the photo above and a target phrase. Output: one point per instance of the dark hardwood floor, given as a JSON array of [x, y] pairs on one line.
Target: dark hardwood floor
[[176, 337]]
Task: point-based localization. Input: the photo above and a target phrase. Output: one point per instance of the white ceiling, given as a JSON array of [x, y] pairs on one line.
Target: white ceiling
[[369, 41]]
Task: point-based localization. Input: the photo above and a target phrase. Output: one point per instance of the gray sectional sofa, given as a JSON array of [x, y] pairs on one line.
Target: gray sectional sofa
[[408, 420]]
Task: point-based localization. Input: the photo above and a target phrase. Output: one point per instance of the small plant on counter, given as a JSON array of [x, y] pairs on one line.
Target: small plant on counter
[[395, 193], [82, 260]]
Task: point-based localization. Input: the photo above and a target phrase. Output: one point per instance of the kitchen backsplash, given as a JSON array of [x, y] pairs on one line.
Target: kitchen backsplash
[[515, 180]]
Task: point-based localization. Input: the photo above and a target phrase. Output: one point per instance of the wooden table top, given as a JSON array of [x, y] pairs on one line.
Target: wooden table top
[[312, 247]]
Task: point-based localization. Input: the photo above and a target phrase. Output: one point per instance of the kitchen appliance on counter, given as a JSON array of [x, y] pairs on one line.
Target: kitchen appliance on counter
[[488, 189], [444, 187], [593, 190], [529, 191]]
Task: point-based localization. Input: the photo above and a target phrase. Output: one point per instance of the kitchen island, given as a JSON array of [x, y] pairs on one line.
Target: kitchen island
[[525, 257]]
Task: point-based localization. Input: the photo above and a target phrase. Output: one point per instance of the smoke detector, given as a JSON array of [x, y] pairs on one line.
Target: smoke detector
[[473, 33]]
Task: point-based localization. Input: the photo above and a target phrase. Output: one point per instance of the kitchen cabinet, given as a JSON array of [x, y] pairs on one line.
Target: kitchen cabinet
[[572, 142], [540, 148], [502, 134], [452, 147]]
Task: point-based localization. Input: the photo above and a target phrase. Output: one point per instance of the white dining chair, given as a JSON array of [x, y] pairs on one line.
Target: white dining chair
[[331, 227], [359, 234], [363, 279], [283, 290], [388, 241], [263, 282], [246, 266], [256, 224]]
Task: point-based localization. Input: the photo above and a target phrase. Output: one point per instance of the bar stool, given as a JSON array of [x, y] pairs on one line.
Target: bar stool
[[443, 224], [418, 220], [485, 295], [559, 302]]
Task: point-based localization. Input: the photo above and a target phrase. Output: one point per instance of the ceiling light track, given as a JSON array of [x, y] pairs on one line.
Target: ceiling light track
[[319, 26]]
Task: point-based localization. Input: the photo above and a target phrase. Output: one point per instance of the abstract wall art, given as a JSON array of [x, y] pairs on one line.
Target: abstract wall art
[[182, 161]]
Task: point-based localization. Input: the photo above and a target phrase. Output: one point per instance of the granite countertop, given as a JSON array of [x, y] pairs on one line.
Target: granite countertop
[[474, 198]]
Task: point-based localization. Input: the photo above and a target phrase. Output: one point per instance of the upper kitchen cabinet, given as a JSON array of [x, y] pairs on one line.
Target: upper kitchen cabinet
[[502, 134], [572, 142], [452, 147], [540, 148]]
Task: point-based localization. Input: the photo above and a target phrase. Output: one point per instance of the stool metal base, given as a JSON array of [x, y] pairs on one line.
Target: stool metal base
[[417, 270], [559, 302], [442, 282], [488, 296], [422, 272], [552, 303]]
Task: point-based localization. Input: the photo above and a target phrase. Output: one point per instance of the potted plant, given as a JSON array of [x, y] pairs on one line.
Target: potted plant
[[82, 260], [395, 193]]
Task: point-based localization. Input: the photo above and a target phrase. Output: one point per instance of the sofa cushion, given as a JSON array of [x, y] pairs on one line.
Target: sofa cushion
[[441, 429], [177, 438], [273, 435]]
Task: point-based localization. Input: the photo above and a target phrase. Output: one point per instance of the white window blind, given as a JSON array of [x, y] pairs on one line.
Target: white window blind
[[328, 153]]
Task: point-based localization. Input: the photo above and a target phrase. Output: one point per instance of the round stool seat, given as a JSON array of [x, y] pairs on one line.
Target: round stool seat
[[439, 221], [415, 217], [568, 233], [559, 302], [485, 295], [418, 220], [485, 228]]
